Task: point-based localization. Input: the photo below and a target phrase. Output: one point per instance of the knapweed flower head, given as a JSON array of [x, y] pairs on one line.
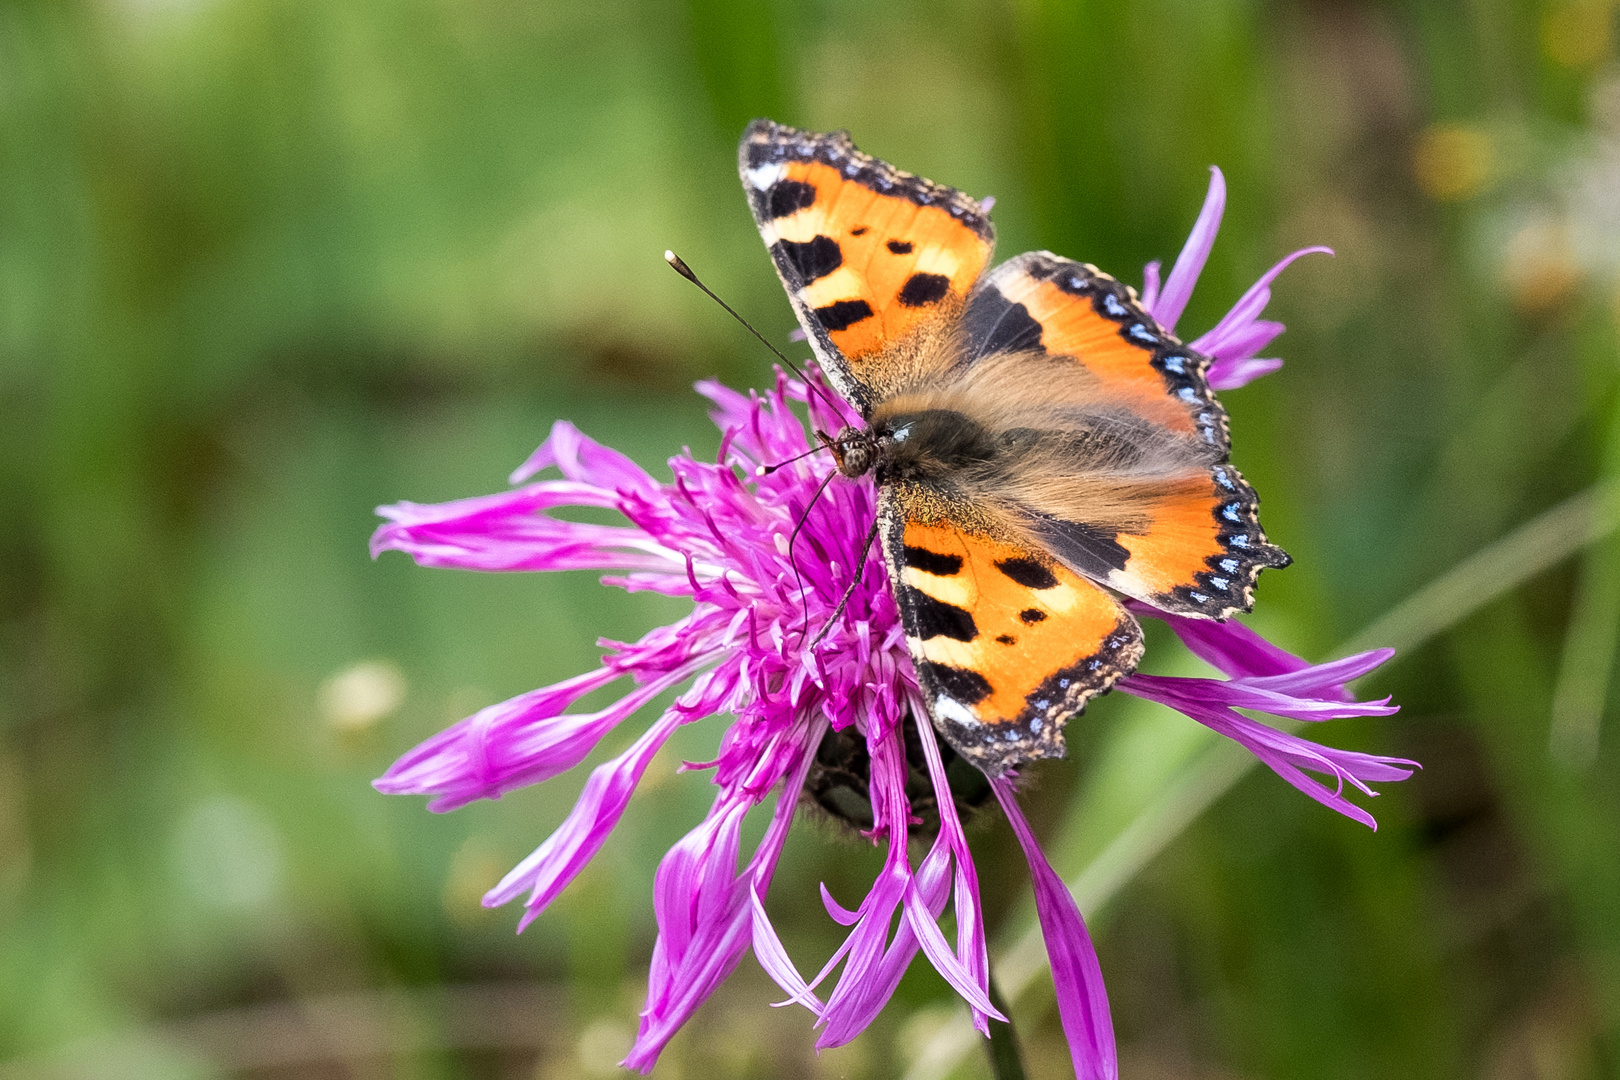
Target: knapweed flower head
[[765, 561]]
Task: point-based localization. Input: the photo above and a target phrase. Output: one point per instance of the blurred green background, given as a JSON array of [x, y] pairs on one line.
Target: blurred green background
[[265, 264]]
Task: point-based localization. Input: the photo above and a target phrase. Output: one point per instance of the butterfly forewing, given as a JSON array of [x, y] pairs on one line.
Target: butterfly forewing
[[868, 254]]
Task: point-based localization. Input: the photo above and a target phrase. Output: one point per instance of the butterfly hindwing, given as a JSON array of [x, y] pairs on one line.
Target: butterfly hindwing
[[868, 253], [1008, 642], [1194, 545]]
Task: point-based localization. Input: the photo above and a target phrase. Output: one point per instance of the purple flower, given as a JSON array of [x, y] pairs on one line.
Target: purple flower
[[1237, 339], [725, 537]]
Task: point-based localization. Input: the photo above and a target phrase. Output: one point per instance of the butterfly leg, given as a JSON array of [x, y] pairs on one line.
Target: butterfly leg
[[832, 620]]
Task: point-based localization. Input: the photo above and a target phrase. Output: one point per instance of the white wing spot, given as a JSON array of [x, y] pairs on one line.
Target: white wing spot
[[948, 708], [762, 177]]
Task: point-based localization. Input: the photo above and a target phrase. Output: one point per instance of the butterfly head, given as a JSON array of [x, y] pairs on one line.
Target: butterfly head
[[854, 450]]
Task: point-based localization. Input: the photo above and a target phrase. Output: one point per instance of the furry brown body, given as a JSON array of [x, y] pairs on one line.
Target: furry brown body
[[1026, 438]]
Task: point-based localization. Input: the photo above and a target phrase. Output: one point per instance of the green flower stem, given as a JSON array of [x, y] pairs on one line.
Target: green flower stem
[[1005, 1061]]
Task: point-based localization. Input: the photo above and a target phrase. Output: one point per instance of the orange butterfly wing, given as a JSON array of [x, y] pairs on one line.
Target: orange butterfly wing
[[1008, 643], [868, 254], [1009, 637], [1201, 547]]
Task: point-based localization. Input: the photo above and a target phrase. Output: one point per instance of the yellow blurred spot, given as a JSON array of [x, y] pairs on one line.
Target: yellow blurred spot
[[473, 871], [1577, 34], [359, 696], [602, 1045], [1539, 267], [1453, 162]]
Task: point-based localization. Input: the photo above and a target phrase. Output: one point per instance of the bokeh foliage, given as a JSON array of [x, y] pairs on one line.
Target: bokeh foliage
[[265, 264]]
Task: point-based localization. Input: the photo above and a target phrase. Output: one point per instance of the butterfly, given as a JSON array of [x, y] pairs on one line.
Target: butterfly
[[1041, 446]]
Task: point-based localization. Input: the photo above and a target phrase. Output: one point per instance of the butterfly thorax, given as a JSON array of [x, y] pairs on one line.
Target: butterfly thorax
[[929, 445]]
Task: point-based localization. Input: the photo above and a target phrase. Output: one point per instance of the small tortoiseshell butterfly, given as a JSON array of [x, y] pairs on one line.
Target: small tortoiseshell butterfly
[[1039, 442]]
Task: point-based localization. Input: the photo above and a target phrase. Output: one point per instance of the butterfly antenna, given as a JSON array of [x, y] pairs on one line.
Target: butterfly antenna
[[678, 264], [860, 572], [793, 539], [766, 470]]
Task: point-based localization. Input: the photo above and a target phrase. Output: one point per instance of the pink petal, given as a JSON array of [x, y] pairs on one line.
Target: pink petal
[[1231, 374], [970, 942], [455, 758], [873, 964], [705, 909], [768, 950], [555, 863], [1150, 286], [1248, 308], [1178, 287], [1230, 646], [581, 458], [840, 914], [1076, 974], [732, 409], [1246, 342], [519, 742], [934, 946], [1243, 694], [524, 500], [1287, 755], [508, 532], [1322, 678]]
